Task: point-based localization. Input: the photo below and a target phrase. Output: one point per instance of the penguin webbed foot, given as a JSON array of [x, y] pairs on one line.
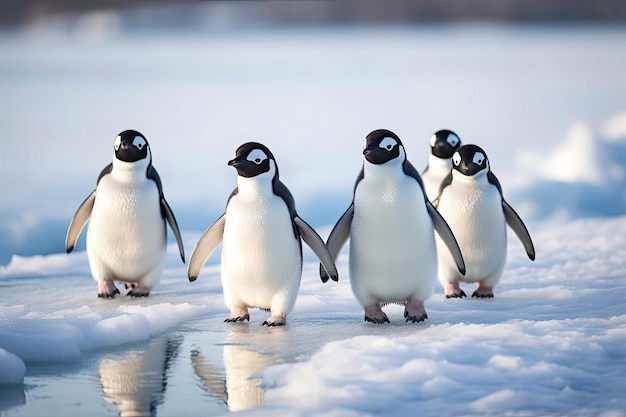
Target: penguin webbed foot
[[245, 317], [107, 289], [483, 291], [138, 291], [273, 321], [377, 320], [374, 314], [460, 294], [414, 311], [415, 319], [453, 290], [476, 294], [108, 295]]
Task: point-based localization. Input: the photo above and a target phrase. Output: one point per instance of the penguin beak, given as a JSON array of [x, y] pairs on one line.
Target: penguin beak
[[244, 168], [468, 168], [237, 162], [371, 149], [443, 150], [128, 153], [375, 154]]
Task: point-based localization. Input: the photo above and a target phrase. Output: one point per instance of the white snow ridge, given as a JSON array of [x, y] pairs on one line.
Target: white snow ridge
[[584, 176]]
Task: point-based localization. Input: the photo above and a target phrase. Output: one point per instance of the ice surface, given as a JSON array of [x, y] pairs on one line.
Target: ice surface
[[550, 342]]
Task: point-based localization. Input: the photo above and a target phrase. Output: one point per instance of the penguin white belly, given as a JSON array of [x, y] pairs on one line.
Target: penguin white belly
[[392, 244], [260, 253], [126, 232], [432, 177], [474, 213]]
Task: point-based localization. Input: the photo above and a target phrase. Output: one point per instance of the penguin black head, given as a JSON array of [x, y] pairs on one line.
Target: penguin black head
[[252, 159], [131, 146], [382, 146], [444, 143], [470, 160]]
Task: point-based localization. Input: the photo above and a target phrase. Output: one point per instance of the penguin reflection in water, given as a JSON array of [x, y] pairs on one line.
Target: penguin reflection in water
[[236, 385], [126, 237], [136, 383], [471, 201], [261, 234], [393, 254]]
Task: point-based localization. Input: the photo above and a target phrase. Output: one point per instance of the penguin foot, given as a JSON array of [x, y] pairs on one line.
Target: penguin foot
[[238, 318], [138, 291], [415, 312], [453, 290], [460, 294], [107, 289], [483, 292], [476, 294], [279, 320], [374, 314]]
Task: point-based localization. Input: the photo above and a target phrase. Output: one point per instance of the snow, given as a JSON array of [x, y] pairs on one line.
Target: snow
[[552, 340]]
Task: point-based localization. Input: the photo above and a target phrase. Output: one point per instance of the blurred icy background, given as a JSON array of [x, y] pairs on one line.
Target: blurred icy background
[[310, 79], [540, 85]]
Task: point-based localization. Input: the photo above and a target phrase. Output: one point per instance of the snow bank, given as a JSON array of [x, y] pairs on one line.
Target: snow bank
[[583, 176], [550, 342], [486, 367], [44, 264], [65, 335]]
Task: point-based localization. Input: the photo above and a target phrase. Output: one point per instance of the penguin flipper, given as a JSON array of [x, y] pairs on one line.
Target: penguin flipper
[[338, 237], [515, 222], [171, 220], [79, 220], [315, 242], [209, 240], [444, 231]]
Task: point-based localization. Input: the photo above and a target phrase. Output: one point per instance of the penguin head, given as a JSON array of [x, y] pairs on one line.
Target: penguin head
[[444, 143], [131, 146], [470, 160], [253, 159], [382, 146]]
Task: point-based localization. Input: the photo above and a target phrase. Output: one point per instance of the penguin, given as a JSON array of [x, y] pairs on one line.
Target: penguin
[[471, 201], [136, 383], [443, 144], [391, 224], [261, 235], [127, 211]]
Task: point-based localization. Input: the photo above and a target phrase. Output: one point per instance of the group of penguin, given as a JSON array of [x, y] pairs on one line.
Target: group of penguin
[[405, 229]]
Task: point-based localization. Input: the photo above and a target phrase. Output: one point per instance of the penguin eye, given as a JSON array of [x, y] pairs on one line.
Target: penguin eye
[[139, 142], [388, 143], [453, 140], [479, 158], [257, 156], [432, 141], [456, 158]]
